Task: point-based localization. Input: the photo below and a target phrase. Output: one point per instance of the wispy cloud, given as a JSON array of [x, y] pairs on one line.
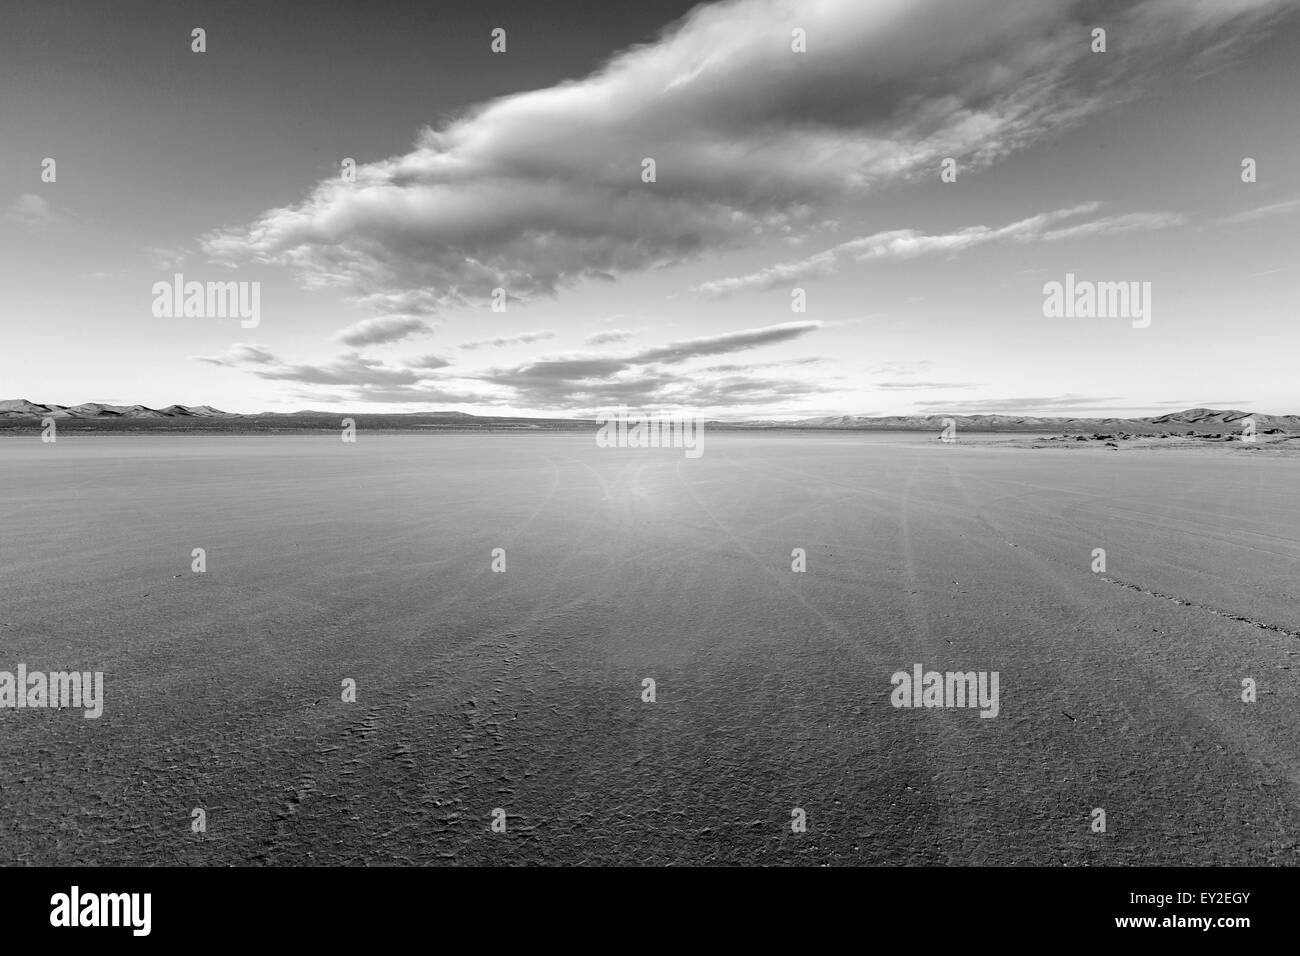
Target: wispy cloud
[[382, 330], [909, 243], [726, 342], [900, 368], [35, 213], [905, 385], [1025, 405], [1284, 208], [613, 335], [503, 341], [641, 378], [161, 257], [427, 362], [352, 370], [241, 354], [572, 382]]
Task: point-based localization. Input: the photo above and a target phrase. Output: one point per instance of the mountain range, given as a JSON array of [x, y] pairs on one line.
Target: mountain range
[[1205, 419], [21, 408], [190, 417]]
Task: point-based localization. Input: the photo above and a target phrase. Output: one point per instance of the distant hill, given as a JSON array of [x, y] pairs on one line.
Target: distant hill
[[21, 408], [21, 413], [1192, 419]]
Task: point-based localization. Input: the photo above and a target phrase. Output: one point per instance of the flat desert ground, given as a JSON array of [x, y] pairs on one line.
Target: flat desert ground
[[522, 690]]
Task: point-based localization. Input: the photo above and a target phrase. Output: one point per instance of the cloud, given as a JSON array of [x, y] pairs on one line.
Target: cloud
[[1284, 208], [1050, 405], [726, 342], [910, 243], [574, 382], [745, 369], [166, 258], [923, 385], [241, 354], [347, 370], [900, 368], [502, 342], [639, 378], [34, 212], [1113, 225], [568, 382], [417, 394], [382, 330], [353, 370], [613, 335], [538, 191]]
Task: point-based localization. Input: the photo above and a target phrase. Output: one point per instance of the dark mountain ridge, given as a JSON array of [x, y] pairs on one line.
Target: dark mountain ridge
[[206, 418]]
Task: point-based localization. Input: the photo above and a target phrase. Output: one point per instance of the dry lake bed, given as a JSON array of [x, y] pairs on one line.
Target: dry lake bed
[[523, 691]]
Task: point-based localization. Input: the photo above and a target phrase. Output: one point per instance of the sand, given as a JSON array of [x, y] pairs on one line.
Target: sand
[[523, 690]]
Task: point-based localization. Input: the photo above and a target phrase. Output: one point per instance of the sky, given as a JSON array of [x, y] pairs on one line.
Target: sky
[[798, 252]]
